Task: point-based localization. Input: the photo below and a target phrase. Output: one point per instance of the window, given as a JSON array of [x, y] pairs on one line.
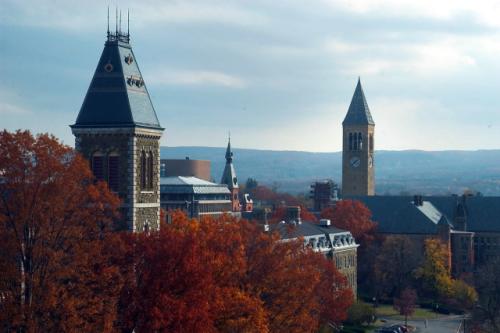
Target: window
[[371, 142], [360, 141], [143, 170], [350, 142], [113, 172], [150, 170], [98, 166]]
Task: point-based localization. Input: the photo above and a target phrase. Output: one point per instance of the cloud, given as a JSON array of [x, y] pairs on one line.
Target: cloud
[[77, 16], [484, 11], [10, 104], [186, 77], [443, 55]]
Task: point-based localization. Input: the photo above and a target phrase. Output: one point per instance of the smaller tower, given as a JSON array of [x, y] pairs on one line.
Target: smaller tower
[[229, 178]]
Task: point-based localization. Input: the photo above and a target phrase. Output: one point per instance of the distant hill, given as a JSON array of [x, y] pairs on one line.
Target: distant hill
[[409, 171]]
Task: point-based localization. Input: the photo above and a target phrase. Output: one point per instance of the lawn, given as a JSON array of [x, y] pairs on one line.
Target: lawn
[[420, 313]]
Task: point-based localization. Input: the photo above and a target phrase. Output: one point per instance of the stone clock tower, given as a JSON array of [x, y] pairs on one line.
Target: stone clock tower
[[118, 131], [358, 176]]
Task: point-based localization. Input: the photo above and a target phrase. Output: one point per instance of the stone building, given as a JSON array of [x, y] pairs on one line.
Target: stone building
[[358, 177], [324, 194], [337, 244], [118, 131]]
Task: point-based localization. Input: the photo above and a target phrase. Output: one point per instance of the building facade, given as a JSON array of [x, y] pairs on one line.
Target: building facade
[[118, 131], [358, 175], [336, 244]]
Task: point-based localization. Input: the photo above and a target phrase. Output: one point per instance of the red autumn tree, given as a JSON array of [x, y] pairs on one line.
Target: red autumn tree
[[354, 216], [280, 214], [54, 228], [223, 275], [406, 303]]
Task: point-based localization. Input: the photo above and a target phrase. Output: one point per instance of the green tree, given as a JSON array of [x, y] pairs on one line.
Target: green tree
[[251, 183], [360, 313], [486, 315]]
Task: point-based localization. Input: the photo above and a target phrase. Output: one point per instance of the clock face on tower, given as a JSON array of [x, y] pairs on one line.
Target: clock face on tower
[[355, 162]]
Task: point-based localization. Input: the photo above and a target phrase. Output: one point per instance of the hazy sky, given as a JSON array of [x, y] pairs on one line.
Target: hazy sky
[[277, 74]]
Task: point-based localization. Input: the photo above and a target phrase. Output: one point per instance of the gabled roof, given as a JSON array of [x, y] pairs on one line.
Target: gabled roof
[[399, 215], [117, 95], [358, 113], [229, 175]]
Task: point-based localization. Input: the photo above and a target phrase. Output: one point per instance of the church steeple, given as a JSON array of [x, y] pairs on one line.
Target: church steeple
[[229, 175], [358, 112], [229, 178]]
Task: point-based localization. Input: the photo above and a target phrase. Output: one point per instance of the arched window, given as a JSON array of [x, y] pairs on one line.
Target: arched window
[[350, 141], [371, 142], [355, 143], [113, 171], [98, 165], [143, 170], [360, 141], [150, 170]]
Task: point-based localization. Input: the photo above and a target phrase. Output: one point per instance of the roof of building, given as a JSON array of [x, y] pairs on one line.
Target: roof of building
[[303, 229], [229, 174], [399, 214], [117, 95], [180, 184], [358, 112]]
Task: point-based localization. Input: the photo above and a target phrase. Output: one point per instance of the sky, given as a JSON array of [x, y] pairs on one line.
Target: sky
[[275, 74]]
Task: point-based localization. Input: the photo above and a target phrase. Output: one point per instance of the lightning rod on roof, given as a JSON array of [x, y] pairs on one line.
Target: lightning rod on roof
[[128, 22], [108, 21]]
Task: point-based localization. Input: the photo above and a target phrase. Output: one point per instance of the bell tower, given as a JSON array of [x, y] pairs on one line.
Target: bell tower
[[118, 131], [358, 175]]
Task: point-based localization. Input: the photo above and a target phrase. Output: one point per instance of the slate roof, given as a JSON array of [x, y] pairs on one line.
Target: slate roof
[[358, 112], [398, 214], [304, 229], [117, 95], [180, 184]]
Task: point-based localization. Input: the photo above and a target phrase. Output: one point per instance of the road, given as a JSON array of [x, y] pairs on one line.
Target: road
[[445, 324]]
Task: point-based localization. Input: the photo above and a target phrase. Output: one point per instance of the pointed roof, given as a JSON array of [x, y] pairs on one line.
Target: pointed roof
[[229, 175], [117, 96], [358, 113]]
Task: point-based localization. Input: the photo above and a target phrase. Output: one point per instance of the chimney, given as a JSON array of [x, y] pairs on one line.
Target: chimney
[[417, 200], [325, 222]]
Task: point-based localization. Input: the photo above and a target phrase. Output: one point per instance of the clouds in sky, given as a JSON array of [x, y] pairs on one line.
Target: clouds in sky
[[278, 74]]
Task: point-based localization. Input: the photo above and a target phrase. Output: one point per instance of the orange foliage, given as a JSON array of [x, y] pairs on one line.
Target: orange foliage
[[264, 193], [354, 216], [227, 275], [54, 232], [280, 214]]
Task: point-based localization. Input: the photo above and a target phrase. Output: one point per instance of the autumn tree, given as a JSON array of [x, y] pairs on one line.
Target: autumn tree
[[395, 265], [354, 216], [434, 274], [405, 304], [486, 315], [223, 275], [54, 239], [281, 212]]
